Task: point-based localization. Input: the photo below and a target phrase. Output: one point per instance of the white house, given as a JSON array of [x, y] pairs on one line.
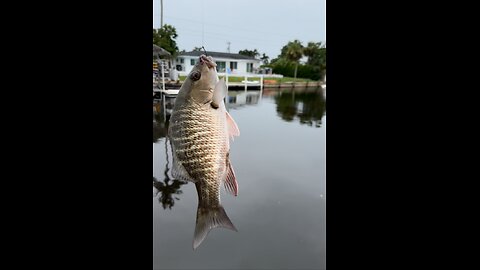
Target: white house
[[226, 62]]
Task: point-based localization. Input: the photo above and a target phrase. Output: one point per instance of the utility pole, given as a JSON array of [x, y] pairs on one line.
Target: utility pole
[[228, 48], [161, 13]]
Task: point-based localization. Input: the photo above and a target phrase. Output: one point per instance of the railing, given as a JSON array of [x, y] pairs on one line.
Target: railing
[[245, 81], [161, 73]]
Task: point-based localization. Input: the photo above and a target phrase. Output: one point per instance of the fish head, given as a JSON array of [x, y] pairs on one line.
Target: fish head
[[202, 79]]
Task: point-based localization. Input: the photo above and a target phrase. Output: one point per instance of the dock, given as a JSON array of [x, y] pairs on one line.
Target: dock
[[171, 88]]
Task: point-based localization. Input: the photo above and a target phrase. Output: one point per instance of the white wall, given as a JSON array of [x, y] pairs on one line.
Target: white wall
[[241, 64], [186, 66], [241, 67]]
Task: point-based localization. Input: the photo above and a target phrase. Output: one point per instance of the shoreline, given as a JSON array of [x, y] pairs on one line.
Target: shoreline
[[232, 86]]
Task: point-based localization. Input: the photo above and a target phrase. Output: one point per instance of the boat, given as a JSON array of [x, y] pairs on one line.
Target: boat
[[251, 82], [170, 92]]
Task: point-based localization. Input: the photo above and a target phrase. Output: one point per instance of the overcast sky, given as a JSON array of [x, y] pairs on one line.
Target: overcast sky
[[265, 25]]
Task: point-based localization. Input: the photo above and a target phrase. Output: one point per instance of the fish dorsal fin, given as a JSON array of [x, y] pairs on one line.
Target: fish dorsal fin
[[219, 93], [230, 182], [232, 126]]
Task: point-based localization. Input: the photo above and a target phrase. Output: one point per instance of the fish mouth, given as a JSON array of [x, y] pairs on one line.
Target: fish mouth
[[208, 60]]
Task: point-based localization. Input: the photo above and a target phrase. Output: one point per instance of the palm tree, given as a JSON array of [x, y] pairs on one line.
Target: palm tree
[[293, 52], [317, 56], [264, 58]]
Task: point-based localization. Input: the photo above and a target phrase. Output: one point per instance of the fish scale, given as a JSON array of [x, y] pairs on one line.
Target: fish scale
[[200, 152]]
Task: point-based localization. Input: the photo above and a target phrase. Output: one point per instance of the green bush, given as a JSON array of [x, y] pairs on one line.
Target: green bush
[[287, 69]]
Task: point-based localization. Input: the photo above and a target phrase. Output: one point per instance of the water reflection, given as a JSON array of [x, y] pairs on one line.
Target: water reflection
[[169, 187], [267, 221], [236, 99], [161, 115], [308, 107], [167, 191]]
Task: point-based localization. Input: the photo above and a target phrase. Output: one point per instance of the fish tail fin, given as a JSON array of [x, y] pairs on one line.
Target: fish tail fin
[[207, 219]]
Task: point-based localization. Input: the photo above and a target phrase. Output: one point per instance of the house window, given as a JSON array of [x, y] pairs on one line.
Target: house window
[[193, 62], [181, 60], [220, 66], [233, 65], [249, 67]]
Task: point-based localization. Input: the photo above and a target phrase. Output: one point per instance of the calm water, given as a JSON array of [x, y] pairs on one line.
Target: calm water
[[279, 161]]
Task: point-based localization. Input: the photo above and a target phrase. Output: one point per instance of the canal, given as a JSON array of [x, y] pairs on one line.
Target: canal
[[279, 161]]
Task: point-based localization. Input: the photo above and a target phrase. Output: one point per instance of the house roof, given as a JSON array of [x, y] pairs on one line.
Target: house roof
[[160, 51], [219, 55]]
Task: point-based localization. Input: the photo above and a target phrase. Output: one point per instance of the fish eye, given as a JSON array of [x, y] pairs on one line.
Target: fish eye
[[196, 76]]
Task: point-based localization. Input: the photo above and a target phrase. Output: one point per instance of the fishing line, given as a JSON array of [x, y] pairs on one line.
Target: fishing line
[[203, 26]]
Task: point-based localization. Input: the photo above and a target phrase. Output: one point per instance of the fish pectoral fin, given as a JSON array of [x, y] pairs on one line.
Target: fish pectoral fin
[[219, 93], [232, 126], [230, 183], [209, 218], [179, 172]]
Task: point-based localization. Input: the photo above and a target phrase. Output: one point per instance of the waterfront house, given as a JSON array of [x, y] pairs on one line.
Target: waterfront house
[[233, 63]]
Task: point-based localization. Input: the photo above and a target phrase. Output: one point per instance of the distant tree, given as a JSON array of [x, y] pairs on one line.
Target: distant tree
[[264, 58], [293, 51], [287, 63], [250, 53], [317, 56], [165, 38], [197, 49], [274, 61]]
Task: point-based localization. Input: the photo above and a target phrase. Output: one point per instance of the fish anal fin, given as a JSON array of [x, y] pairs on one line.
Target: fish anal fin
[[231, 185]]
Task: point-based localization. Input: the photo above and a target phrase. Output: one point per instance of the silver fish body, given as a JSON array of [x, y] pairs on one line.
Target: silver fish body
[[199, 132]]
